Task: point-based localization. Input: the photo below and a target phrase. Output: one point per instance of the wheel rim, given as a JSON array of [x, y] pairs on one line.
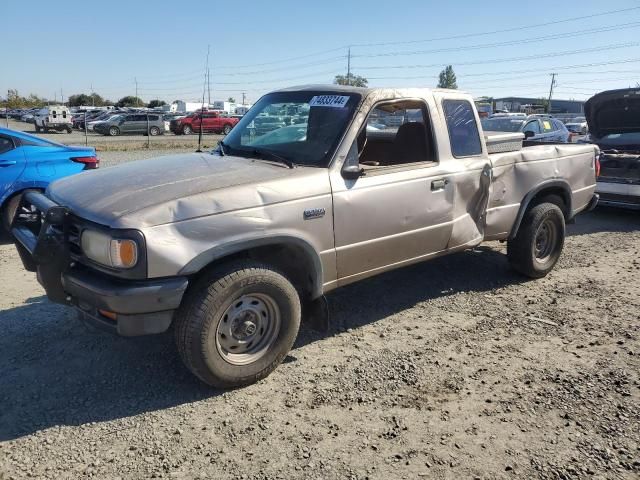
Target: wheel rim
[[248, 328], [113, 131], [153, 131], [226, 130], [187, 130], [545, 240]]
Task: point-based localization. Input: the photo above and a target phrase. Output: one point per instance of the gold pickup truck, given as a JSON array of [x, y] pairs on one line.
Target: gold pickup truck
[[232, 247]]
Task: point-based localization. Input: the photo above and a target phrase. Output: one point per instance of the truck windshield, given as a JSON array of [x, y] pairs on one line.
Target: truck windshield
[[303, 127]]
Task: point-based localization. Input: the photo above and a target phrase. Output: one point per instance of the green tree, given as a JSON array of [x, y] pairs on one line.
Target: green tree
[[447, 78], [231, 100], [79, 99], [130, 101], [351, 79], [156, 103]]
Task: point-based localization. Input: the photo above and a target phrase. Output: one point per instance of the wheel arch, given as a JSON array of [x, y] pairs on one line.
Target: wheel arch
[[557, 192], [293, 256]]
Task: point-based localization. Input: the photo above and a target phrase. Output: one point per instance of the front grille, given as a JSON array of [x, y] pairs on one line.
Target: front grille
[[74, 232]]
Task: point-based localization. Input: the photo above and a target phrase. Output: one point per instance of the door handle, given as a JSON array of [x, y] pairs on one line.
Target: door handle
[[438, 184], [7, 163]]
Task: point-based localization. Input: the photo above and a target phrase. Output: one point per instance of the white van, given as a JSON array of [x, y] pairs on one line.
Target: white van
[[55, 117]]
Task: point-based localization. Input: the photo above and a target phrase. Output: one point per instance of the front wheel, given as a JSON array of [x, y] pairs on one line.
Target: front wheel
[[536, 248], [237, 323], [226, 129], [187, 130], [154, 131], [114, 131]]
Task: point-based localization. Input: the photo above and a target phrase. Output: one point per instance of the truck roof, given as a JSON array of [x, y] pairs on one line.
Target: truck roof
[[364, 91]]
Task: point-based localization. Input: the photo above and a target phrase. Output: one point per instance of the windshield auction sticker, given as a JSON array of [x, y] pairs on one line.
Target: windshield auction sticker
[[335, 101]]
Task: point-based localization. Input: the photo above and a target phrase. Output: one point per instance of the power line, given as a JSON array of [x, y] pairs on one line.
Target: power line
[[494, 32], [577, 33], [511, 59]]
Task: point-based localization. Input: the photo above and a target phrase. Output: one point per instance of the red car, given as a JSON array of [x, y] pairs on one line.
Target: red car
[[211, 122]]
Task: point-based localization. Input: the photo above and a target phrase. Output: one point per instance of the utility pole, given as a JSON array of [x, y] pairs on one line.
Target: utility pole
[[93, 98], [244, 95], [204, 87], [553, 84], [61, 97], [135, 79], [6, 110], [349, 66], [209, 84]]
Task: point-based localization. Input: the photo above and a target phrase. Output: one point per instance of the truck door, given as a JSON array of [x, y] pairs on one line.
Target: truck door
[[401, 209], [12, 163], [467, 156]]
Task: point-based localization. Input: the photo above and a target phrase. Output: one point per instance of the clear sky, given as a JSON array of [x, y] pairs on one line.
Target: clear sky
[[256, 46]]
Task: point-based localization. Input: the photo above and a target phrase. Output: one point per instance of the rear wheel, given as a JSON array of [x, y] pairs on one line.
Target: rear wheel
[[153, 131], [237, 323], [114, 131], [187, 130], [536, 248]]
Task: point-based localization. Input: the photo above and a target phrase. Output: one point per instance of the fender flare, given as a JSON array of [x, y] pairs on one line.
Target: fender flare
[[528, 198], [219, 252]]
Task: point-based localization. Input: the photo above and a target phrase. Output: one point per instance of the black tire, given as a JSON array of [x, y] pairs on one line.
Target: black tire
[[536, 248], [205, 311], [226, 129], [187, 130], [114, 131], [69, 130], [46, 129], [37, 128], [154, 131], [10, 207]]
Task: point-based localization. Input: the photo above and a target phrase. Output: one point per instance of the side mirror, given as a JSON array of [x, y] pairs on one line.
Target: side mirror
[[528, 134], [352, 172]]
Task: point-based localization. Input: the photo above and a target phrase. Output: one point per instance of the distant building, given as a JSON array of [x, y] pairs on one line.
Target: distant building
[[522, 104]]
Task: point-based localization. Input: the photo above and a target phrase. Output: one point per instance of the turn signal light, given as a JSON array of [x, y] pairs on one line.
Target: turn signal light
[[108, 314], [124, 253]]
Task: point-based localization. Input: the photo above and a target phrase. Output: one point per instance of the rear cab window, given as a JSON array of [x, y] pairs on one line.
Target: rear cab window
[[463, 129]]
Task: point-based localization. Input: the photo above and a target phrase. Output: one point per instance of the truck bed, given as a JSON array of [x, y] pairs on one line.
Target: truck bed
[[517, 173]]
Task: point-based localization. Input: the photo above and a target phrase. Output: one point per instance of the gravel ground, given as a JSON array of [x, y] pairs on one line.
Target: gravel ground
[[455, 368]]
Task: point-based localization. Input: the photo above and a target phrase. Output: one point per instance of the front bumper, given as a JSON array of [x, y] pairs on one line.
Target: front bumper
[[139, 307]]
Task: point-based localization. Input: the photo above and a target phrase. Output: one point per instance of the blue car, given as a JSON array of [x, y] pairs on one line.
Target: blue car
[[31, 163]]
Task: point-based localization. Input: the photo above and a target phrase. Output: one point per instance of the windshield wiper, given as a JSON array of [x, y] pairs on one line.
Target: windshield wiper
[[273, 156]]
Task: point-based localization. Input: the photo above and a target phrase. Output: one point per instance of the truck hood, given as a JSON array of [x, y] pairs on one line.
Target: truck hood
[[613, 111], [174, 188]]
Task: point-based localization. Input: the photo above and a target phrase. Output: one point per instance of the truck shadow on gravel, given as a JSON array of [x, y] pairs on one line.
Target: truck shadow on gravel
[[56, 372]]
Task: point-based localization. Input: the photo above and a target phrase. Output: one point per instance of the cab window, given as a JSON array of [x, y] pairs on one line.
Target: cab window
[[463, 129], [532, 126], [547, 125], [396, 133]]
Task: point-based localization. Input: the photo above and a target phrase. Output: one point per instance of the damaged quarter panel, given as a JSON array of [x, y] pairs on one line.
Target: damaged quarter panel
[[521, 173]]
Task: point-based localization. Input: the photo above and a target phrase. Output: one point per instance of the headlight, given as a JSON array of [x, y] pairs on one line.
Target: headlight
[[111, 252]]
